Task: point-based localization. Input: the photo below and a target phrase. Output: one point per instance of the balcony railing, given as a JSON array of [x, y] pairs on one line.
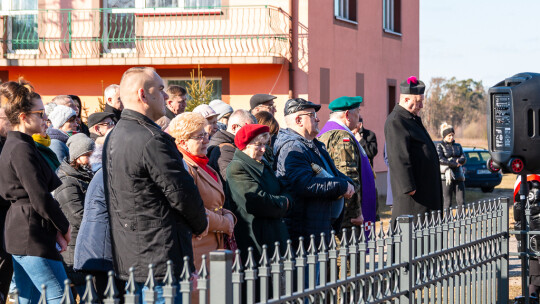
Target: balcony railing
[[255, 31]]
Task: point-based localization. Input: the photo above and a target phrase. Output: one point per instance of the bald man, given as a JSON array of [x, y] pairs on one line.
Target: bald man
[[154, 205]]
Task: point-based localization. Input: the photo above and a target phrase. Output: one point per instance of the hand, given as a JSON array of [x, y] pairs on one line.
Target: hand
[[67, 236], [194, 277], [350, 191], [358, 221], [61, 241], [230, 218], [205, 232], [412, 193]]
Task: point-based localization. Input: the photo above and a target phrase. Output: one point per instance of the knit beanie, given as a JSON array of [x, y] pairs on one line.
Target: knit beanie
[[49, 107], [446, 129], [78, 145], [247, 133], [221, 108], [60, 115]]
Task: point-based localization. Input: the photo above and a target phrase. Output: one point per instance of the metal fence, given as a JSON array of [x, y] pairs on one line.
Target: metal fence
[[454, 256], [151, 32]]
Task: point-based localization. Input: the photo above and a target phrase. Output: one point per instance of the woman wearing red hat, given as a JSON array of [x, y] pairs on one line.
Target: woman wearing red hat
[[259, 201], [188, 129]]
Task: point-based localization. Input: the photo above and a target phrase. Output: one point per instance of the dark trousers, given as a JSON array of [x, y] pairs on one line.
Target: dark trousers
[[6, 272], [455, 189]]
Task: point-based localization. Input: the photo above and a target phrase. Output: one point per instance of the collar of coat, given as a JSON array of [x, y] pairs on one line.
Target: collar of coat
[[250, 162], [205, 175], [403, 112]]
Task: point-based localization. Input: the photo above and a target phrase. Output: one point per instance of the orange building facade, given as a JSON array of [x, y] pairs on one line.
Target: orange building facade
[[315, 49]]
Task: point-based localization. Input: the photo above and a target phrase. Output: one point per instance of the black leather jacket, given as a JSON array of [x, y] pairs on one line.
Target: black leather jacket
[[154, 205], [450, 154]]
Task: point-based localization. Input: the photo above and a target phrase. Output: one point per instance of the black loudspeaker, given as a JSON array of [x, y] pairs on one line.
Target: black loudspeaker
[[514, 124]]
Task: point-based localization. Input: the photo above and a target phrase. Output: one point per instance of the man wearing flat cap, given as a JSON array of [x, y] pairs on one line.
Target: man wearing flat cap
[[262, 102], [301, 158], [100, 123], [351, 160], [412, 156]]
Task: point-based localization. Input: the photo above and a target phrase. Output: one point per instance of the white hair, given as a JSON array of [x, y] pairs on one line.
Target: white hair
[[110, 91], [337, 115], [240, 117], [290, 120]]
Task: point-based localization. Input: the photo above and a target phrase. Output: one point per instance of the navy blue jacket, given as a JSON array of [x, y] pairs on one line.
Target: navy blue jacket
[[310, 213], [93, 249]]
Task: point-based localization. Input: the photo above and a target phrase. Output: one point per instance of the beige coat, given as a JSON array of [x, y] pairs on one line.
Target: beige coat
[[213, 197]]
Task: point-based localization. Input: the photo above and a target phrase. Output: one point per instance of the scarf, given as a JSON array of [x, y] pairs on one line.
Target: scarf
[[46, 141], [201, 161], [369, 191]]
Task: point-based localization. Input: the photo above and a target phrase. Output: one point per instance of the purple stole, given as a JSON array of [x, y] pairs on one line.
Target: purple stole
[[369, 191]]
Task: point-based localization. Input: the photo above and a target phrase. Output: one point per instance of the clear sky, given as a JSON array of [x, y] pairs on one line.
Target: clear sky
[[486, 40]]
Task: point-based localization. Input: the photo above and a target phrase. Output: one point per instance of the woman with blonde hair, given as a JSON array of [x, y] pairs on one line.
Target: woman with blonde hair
[[188, 130], [452, 159]]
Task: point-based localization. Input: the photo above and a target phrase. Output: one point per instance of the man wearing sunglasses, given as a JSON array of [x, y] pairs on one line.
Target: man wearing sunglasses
[[100, 124]]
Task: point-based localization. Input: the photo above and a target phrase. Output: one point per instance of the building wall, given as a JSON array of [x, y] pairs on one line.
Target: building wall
[[346, 49], [89, 81]]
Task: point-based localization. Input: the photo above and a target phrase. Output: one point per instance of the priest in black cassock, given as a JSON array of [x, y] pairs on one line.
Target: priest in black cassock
[[412, 156]]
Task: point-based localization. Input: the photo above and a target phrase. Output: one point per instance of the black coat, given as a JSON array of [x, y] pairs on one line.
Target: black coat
[[117, 113], [413, 163], [154, 205], [220, 152], [369, 143], [70, 195], [260, 205], [34, 216], [450, 154]]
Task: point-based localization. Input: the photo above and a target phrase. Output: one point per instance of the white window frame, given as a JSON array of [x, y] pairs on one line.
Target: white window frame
[[389, 19], [6, 10], [212, 78], [341, 11]]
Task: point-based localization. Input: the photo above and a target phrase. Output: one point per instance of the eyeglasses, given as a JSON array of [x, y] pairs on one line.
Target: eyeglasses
[[40, 113], [107, 124], [200, 137], [312, 114]]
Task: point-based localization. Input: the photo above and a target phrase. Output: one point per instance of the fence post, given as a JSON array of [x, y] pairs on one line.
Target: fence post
[[503, 292], [221, 279], [405, 228]]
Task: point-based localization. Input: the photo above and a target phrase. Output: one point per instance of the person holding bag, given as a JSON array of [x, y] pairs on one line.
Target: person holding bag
[[451, 159]]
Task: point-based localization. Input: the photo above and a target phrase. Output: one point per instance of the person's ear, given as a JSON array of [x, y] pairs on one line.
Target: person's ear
[[298, 120], [182, 143], [141, 95]]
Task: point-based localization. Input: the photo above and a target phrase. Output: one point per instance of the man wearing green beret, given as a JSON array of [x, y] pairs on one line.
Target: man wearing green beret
[[351, 159], [412, 157]]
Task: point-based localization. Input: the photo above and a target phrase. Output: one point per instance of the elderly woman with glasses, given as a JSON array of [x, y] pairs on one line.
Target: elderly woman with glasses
[[260, 203], [188, 130]]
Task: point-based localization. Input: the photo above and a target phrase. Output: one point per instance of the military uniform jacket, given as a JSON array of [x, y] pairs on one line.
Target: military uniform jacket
[[413, 163], [345, 155]]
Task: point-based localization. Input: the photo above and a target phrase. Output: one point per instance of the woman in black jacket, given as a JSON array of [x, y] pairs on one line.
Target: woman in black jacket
[[36, 230], [75, 176], [452, 159]]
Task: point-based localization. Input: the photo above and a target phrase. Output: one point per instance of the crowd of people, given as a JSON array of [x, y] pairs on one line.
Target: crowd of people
[[144, 182]]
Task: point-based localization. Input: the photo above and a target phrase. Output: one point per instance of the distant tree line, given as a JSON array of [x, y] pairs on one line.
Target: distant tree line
[[461, 103]]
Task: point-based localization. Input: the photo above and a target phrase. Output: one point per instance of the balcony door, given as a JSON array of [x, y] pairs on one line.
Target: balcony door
[[22, 26], [119, 26]]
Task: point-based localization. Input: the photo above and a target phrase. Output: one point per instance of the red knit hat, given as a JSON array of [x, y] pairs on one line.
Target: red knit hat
[[248, 133]]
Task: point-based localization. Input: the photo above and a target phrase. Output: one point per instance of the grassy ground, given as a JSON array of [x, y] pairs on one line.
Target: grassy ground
[[506, 189]]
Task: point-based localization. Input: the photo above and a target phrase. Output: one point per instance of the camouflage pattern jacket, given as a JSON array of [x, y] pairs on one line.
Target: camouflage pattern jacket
[[346, 156]]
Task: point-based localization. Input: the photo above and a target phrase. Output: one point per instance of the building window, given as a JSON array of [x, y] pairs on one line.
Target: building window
[[184, 4], [184, 82], [392, 16], [345, 10], [22, 26]]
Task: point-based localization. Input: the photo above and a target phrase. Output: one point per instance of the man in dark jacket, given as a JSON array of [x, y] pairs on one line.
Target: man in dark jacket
[[113, 103], [296, 150], [6, 266], [412, 156], [367, 140], [154, 205], [221, 147]]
